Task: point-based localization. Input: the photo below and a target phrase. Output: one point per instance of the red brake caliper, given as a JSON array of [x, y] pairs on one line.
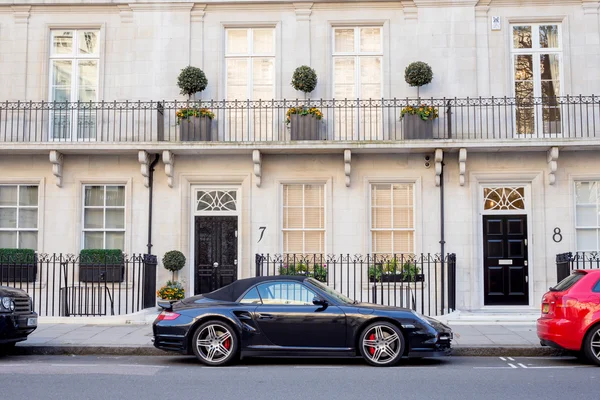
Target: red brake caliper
[[372, 349], [227, 343]]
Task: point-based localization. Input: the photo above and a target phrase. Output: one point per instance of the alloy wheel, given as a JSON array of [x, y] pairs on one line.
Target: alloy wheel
[[214, 344], [381, 344], [595, 344]]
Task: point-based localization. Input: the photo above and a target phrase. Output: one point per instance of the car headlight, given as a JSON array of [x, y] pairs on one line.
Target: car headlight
[[7, 304]]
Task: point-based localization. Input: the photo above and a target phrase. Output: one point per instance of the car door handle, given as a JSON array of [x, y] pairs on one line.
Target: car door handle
[[265, 316]]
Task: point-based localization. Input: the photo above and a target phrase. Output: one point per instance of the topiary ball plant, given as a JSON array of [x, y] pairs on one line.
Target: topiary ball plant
[[418, 74], [304, 79], [191, 80], [173, 260]]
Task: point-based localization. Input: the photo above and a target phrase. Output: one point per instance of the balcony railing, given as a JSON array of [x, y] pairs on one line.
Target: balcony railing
[[569, 117]]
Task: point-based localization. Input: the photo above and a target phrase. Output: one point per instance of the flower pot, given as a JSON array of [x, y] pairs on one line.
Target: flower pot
[[196, 129], [101, 272], [18, 272], [304, 127], [416, 128], [392, 278]]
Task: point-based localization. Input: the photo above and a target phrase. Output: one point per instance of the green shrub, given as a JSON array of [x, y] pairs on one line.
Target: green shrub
[[101, 256], [304, 79], [418, 74], [191, 80], [317, 271], [17, 255], [173, 260]]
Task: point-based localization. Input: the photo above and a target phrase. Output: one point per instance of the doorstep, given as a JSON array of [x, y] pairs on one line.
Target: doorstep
[[491, 316]]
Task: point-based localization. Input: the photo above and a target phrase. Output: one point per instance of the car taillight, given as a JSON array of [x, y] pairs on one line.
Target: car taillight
[[167, 316]]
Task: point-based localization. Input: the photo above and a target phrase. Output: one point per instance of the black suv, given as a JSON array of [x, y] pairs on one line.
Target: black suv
[[17, 320]]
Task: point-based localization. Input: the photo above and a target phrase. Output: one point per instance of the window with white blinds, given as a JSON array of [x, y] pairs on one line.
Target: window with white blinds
[[303, 225], [587, 215], [19, 216], [392, 218], [104, 217]]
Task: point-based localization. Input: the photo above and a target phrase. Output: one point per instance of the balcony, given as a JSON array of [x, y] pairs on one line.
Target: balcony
[[470, 122]]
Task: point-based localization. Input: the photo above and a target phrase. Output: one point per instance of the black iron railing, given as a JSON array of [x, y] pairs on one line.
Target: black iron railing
[[495, 118], [425, 282], [61, 285], [568, 262]]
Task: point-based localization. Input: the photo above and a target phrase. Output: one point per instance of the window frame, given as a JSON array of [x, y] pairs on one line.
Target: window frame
[[250, 56], [104, 207], [280, 282], [392, 229], [282, 216], [595, 227], [357, 54], [37, 207]]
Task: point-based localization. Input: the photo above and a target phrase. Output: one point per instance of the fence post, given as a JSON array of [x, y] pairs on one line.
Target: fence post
[[258, 259], [563, 266], [149, 281], [451, 282]]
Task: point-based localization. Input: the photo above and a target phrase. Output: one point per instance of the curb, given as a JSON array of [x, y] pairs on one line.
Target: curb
[[460, 351]]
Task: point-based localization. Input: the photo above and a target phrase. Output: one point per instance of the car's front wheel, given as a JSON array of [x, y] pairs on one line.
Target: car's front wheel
[[591, 344], [215, 343], [382, 344]]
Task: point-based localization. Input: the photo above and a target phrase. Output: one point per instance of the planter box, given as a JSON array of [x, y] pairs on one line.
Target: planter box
[[304, 127], [416, 128], [101, 273], [196, 129], [18, 272], [391, 278]]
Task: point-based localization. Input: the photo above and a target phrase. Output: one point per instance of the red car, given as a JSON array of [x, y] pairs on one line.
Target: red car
[[571, 314]]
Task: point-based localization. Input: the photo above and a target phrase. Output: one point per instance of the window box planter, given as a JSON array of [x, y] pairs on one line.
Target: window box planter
[[415, 128], [392, 278], [18, 265], [304, 127], [101, 266], [196, 129]]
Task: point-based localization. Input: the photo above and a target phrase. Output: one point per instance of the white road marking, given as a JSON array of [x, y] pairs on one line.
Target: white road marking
[[503, 359], [523, 365], [492, 368], [512, 365], [318, 366], [511, 359], [74, 365]]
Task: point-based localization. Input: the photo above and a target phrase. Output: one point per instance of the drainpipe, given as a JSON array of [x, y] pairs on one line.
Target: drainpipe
[[150, 185], [442, 238]]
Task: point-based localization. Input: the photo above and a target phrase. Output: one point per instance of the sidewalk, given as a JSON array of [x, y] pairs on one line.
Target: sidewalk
[[136, 339]]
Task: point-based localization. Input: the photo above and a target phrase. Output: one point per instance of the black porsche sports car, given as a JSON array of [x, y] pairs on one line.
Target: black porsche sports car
[[294, 316]]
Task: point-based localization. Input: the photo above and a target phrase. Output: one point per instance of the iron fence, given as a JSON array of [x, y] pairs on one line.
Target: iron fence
[[424, 282], [494, 118], [63, 285], [568, 262]]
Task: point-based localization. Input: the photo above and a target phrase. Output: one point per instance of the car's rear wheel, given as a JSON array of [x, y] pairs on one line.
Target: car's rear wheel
[[591, 345], [215, 343], [382, 344]]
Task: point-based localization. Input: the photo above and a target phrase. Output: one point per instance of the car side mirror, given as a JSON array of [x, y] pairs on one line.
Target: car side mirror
[[317, 301]]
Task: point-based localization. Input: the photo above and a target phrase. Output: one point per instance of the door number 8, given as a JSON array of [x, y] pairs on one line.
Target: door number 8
[[557, 237]]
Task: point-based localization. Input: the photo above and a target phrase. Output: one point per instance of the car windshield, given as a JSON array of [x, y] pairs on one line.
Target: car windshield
[[330, 291], [568, 282]]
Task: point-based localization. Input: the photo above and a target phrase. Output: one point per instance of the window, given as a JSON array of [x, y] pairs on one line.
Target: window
[[568, 282], [596, 288], [288, 293], [587, 215], [104, 217], [18, 216], [537, 58], [74, 59], [303, 219], [251, 297], [250, 75], [392, 219], [357, 74]]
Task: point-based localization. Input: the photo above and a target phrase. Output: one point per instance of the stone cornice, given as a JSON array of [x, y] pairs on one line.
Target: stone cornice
[[303, 11], [198, 13], [21, 14]]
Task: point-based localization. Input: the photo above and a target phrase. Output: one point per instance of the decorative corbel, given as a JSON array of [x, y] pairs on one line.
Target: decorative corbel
[[144, 160], [439, 157], [257, 160], [553, 164], [347, 166], [462, 165], [169, 160], [56, 158]]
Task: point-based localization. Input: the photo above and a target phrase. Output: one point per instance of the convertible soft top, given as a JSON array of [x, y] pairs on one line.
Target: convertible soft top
[[233, 291]]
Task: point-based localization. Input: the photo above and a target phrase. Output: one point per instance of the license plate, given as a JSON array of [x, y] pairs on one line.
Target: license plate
[[545, 308], [32, 321]]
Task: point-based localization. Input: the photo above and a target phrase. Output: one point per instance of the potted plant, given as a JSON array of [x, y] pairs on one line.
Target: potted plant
[[195, 122], [304, 121], [390, 272], [18, 265], [418, 119], [101, 265], [171, 291], [173, 261], [317, 271]]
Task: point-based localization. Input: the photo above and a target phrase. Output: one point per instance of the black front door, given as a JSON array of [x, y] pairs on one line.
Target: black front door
[[215, 253], [505, 260]]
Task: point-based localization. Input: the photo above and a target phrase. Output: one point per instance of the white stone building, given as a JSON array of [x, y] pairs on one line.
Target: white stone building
[[514, 156]]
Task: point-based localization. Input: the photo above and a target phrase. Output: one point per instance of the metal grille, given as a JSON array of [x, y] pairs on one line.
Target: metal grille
[[22, 305]]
